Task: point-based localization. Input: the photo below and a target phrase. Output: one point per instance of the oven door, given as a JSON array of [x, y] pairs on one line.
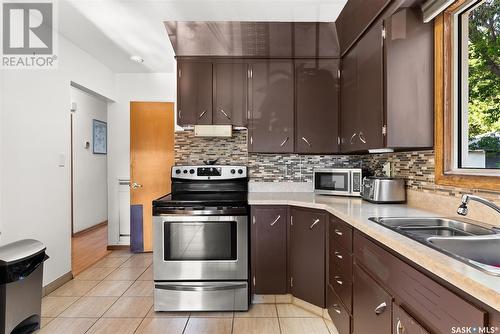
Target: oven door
[[332, 182], [200, 248]]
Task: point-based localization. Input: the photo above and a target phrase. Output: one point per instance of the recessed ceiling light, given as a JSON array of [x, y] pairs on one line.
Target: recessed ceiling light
[[137, 59]]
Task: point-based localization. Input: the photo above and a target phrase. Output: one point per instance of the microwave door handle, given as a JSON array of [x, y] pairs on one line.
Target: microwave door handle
[[198, 287]]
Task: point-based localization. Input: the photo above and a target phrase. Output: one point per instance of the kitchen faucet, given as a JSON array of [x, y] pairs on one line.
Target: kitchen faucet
[[463, 209]]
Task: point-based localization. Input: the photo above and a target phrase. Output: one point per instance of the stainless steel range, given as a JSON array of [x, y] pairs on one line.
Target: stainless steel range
[[200, 234]]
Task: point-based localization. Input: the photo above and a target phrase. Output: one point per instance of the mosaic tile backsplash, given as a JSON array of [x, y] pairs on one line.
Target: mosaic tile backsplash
[[416, 167]]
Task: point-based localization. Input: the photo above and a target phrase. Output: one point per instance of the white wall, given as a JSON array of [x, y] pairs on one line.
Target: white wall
[[35, 132], [90, 171], [154, 87]]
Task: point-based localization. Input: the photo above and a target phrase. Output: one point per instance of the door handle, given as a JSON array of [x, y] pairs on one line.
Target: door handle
[[224, 113], [338, 255], [180, 114], [338, 280], [314, 224], [135, 185], [352, 137], [307, 142], [180, 287], [336, 308], [284, 142], [276, 220], [400, 329], [381, 308], [362, 137], [202, 114], [337, 232]]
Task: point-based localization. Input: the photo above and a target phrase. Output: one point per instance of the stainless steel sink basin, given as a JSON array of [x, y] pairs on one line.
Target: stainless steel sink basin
[[470, 243]]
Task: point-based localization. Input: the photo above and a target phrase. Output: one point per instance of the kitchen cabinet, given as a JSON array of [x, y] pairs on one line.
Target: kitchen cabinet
[[371, 305], [269, 249], [317, 106], [230, 93], [315, 40], [362, 93], [194, 93], [307, 255], [403, 323], [271, 104]]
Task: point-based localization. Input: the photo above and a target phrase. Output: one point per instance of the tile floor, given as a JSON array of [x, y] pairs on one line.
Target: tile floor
[[116, 296]]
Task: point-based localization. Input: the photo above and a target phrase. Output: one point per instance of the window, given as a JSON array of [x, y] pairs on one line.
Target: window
[[477, 98]]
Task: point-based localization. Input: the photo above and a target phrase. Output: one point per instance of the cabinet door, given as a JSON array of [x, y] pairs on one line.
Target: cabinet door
[[269, 249], [194, 93], [362, 99], [403, 323], [230, 93], [271, 106], [317, 112], [307, 255], [371, 305]]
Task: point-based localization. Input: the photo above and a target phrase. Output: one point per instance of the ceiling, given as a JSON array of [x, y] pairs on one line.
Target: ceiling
[[114, 30]]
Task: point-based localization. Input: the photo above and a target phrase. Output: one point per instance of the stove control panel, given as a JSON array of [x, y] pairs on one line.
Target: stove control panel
[[209, 172]]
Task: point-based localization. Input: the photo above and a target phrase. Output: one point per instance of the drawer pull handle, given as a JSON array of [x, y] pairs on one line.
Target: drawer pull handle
[[338, 255], [314, 224], [336, 308], [276, 220], [381, 308], [338, 280], [338, 232], [400, 329]]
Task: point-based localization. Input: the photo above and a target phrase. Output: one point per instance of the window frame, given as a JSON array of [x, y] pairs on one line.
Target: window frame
[[446, 92]]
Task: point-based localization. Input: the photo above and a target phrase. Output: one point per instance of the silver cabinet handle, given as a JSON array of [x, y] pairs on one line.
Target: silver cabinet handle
[[307, 142], [284, 142], [194, 287], [180, 114], [400, 329], [352, 137], [135, 185], [338, 280], [336, 308], [276, 220], [362, 137], [314, 224], [224, 113], [202, 114], [338, 255], [337, 232], [381, 308]]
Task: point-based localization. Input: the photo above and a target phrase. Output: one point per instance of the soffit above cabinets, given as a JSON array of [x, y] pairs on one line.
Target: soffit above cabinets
[[253, 39]]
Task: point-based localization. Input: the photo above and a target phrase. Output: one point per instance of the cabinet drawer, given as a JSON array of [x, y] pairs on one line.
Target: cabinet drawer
[[341, 276], [428, 301], [342, 235], [340, 316], [403, 323]]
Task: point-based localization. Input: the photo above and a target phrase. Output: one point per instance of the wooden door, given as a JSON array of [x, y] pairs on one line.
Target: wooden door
[[269, 249], [317, 106], [348, 102], [307, 255], [230, 93], [194, 93], [271, 103], [371, 305], [151, 157], [403, 323]]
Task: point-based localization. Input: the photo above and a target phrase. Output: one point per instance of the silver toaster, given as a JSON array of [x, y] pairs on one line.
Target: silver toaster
[[383, 190]]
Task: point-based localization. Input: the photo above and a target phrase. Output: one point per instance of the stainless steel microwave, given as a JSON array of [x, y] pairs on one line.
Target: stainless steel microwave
[[338, 181]]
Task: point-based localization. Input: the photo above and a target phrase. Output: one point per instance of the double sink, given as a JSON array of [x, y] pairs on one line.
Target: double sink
[[468, 242]]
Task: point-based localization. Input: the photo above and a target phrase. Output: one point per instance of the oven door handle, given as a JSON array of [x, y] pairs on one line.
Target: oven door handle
[[180, 287]]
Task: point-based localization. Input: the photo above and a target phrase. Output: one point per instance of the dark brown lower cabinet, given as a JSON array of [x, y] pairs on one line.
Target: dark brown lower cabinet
[[371, 305], [403, 323], [340, 316], [307, 255], [269, 249]]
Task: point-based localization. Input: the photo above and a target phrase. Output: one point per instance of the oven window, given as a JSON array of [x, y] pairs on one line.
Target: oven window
[[199, 241], [332, 181]]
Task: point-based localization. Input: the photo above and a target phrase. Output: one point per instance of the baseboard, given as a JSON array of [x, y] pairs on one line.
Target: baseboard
[[118, 247], [90, 229], [57, 283]]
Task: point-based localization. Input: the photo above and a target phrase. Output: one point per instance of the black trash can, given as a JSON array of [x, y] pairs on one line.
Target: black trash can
[[21, 273]]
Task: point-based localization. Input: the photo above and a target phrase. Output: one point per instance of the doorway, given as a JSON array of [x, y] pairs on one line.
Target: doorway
[[151, 161]]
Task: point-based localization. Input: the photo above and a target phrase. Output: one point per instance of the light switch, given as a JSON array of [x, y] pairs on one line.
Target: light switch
[[61, 160]]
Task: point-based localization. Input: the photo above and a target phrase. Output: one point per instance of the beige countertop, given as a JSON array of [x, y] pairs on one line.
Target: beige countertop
[[356, 212]]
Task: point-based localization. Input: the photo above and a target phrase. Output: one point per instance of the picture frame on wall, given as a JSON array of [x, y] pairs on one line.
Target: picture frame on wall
[[100, 137]]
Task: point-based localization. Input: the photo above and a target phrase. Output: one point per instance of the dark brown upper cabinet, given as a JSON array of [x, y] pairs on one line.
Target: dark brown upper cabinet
[[355, 17], [270, 99], [269, 249], [372, 305], [307, 255], [194, 93], [315, 40], [362, 89], [230, 93], [317, 105]]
